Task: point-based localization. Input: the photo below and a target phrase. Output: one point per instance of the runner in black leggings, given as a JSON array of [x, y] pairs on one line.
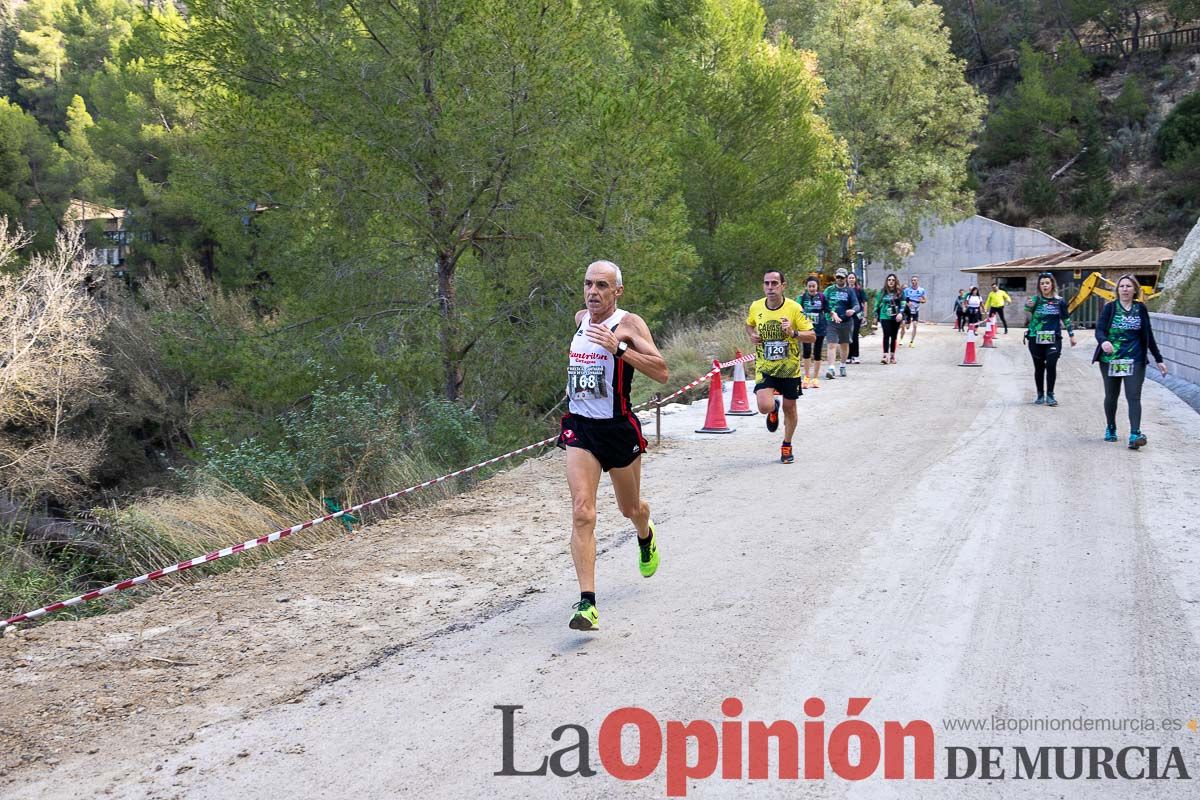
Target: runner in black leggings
[[889, 306], [852, 282], [1047, 317], [1125, 342]]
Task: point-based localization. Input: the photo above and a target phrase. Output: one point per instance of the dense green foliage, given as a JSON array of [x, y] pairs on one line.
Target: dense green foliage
[[374, 216], [1180, 131], [357, 230]]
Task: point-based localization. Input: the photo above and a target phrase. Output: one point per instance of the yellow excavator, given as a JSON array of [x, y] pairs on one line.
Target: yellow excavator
[[1091, 286]]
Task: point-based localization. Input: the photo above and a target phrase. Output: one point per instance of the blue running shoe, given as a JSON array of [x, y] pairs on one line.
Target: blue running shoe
[[1110, 433]]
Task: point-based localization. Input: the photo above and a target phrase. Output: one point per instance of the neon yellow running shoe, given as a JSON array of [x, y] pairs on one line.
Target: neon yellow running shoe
[[585, 617], [648, 556]]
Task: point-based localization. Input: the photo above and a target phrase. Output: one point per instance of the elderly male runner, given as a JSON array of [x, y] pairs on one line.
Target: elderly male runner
[[600, 432], [776, 325]]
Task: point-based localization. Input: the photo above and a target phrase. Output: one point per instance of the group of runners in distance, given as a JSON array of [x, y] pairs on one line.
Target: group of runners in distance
[[600, 432]]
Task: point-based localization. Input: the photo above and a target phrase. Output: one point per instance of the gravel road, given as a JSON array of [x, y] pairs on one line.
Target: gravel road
[[940, 546]]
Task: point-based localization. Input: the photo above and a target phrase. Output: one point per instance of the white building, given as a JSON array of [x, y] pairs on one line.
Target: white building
[[944, 250]]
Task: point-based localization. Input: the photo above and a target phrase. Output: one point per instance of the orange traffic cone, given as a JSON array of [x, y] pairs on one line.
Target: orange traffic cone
[[714, 420], [739, 403], [989, 333], [969, 356]]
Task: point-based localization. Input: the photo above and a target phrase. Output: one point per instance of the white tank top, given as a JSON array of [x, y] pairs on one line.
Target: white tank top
[[597, 381]]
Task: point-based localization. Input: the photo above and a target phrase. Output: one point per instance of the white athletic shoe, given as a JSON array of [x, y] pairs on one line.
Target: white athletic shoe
[[829, 374], [842, 370]]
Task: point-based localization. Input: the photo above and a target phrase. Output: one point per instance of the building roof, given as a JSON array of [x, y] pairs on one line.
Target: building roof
[[1130, 258], [1031, 264], [85, 211]]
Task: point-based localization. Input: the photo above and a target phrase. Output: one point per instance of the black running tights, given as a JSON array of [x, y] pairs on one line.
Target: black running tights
[[891, 328], [1045, 366], [1133, 395]]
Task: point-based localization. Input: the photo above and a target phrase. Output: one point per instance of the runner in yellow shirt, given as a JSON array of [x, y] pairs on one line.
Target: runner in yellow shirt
[[777, 326], [997, 299]]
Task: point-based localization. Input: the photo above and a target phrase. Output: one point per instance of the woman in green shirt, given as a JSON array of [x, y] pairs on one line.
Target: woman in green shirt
[[1047, 318], [1125, 343]]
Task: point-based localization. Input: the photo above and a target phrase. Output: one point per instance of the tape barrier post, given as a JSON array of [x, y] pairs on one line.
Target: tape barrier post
[[183, 566], [657, 418]]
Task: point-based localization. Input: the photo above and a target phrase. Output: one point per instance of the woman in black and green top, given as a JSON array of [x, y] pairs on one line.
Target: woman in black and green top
[[1047, 318], [815, 306], [889, 305], [1125, 343]]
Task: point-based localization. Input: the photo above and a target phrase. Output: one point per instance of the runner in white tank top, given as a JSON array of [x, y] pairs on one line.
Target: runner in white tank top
[[598, 382], [600, 432]]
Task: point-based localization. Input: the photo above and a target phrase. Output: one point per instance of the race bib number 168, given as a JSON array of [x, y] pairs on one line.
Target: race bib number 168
[[586, 381]]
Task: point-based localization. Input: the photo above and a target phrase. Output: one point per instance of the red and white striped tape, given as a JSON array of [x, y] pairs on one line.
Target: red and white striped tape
[[282, 534]]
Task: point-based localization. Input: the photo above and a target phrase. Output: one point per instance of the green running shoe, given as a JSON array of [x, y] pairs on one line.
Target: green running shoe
[[585, 617], [648, 556]]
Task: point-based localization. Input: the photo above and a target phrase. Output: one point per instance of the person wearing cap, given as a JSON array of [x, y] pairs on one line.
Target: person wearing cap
[[843, 307], [997, 299]]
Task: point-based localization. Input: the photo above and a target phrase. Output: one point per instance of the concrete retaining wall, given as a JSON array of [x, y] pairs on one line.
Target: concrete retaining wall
[[1179, 340]]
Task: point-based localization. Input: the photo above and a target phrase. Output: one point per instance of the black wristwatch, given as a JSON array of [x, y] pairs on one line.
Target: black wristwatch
[[621, 348]]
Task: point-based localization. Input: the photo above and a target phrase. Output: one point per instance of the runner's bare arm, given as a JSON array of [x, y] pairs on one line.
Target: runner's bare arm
[[642, 354], [754, 337]]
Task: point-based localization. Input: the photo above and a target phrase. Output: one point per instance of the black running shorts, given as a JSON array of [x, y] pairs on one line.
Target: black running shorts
[[614, 442], [788, 387]]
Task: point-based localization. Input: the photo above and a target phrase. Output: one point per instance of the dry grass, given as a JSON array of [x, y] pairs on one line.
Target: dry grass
[[690, 349]]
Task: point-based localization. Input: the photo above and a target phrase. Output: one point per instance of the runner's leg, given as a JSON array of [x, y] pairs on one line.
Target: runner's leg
[[790, 417], [1052, 368], [1039, 367], [1112, 393], [766, 400], [627, 485], [1133, 396], [583, 478]]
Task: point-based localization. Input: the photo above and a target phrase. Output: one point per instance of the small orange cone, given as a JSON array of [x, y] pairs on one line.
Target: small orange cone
[[989, 333], [714, 420], [969, 355], [739, 403]]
